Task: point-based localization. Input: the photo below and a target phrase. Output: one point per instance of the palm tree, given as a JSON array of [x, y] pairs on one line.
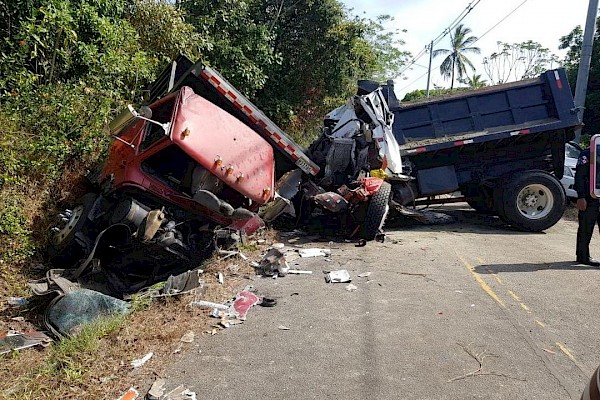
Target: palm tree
[[474, 82], [457, 62]]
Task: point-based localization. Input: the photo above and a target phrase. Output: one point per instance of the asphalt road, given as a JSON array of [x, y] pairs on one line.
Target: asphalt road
[[471, 310]]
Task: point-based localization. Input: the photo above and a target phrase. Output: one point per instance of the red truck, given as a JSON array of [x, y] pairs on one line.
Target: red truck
[[194, 167]]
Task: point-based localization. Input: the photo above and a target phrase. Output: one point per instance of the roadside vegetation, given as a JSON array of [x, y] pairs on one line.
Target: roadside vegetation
[[68, 66]]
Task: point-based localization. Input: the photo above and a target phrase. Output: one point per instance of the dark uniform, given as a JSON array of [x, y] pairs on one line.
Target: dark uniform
[[590, 217]]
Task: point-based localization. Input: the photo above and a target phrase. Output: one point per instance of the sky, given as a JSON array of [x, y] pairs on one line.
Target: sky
[[543, 21]]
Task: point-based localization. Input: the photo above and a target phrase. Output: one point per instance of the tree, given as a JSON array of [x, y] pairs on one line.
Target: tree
[[517, 61], [474, 82], [573, 42], [456, 62]]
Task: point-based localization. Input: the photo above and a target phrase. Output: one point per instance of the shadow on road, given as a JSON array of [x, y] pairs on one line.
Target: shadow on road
[[466, 220], [531, 267]]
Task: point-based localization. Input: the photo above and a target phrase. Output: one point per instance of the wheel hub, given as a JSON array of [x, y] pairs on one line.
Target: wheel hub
[[535, 201], [530, 200], [69, 219]]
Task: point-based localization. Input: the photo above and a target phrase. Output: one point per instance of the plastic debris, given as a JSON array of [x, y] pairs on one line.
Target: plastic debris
[[141, 361], [299, 272], [180, 393], [209, 304], [130, 394], [157, 390], [188, 337], [339, 276], [17, 301], [221, 277], [283, 328], [243, 302], [12, 341], [351, 288], [314, 252], [278, 246], [364, 275]]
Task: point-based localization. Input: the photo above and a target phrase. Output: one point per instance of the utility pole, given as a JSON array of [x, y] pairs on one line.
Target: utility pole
[[429, 70], [584, 62]]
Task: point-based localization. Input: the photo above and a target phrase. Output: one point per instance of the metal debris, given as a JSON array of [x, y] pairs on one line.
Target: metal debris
[[12, 341], [299, 272]]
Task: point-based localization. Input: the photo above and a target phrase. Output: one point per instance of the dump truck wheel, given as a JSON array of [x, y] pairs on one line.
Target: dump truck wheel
[[532, 201], [377, 211], [62, 247]]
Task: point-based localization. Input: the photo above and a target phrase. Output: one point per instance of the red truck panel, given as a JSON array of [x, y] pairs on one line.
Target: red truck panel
[[225, 146]]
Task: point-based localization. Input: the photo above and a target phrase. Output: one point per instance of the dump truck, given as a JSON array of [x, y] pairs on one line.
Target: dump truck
[[502, 147]]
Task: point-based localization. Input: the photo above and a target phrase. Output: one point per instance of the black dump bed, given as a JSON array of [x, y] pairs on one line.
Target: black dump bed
[[492, 113]]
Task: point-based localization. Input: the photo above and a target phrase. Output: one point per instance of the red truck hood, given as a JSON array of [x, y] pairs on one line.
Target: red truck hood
[[224, 145]]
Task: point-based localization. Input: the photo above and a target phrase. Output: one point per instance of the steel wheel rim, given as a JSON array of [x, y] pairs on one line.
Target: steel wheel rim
[[69, 226], [535, 201]]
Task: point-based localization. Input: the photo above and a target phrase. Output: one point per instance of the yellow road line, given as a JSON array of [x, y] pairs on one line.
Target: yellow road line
[[492, 273], [513, 295], [540, 323], [566, 351], [486, 288], [524, 306]]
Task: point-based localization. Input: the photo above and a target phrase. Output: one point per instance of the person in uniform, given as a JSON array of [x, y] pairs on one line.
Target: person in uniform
[[589, 210]]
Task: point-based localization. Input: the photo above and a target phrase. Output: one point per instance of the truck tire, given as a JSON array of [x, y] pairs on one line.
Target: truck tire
[[62, 248], [377, 211], [532, 201]]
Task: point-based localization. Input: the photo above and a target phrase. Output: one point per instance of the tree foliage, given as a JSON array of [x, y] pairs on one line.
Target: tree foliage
[[517, 61], [572, 42], [456, 62], [67, 66]]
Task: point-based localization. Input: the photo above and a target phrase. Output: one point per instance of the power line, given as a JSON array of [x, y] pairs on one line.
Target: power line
[[443, 34], [479, 38], [502, 20]]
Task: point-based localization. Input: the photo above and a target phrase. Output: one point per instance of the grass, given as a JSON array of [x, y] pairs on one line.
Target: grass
[[96, 363]]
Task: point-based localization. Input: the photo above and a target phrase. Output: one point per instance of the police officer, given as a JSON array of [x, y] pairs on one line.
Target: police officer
[[589, 209]]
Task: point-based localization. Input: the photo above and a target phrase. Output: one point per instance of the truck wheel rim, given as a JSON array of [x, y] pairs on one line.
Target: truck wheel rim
[[69, 226], [535, 201]]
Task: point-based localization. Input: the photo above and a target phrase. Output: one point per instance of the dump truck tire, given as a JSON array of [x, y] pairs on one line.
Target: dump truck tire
[[62, 247], [532, 201], [377, 212]]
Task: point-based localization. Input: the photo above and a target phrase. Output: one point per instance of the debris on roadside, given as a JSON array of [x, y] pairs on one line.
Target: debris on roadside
[[180, 393], [314, 252], [67, 313], [299, 272], [157, 390], [188, 337], [339, 276], [130, 394], [17, 301], [13, 341], [273, 262], [268, 302], [283, 328], [364, 275], [351, 288], [208, 304], [141, 361], [221, 278]]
